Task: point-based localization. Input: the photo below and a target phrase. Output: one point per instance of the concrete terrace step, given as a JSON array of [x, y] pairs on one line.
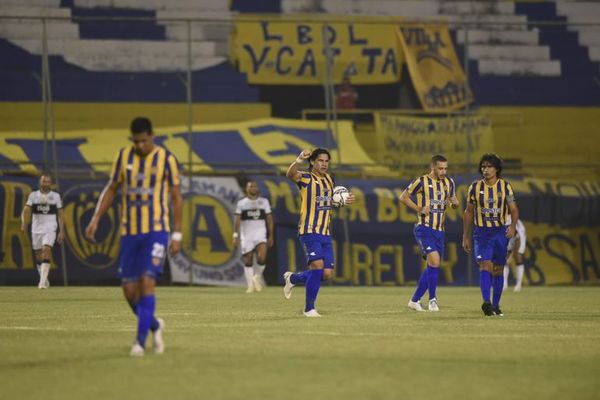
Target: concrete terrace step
[[589, 35], [214, 26], [167, 62], [594, 53], [195, 5], [27, 29], [476, 7], [509, 52], [116, 48], [490, 22], [511, 68], [407, 8], [31, 3], [579, 8], [479, 36], [14, 11]]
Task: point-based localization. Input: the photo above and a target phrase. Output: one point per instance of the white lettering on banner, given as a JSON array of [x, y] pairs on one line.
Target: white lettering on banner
[[209, 205]]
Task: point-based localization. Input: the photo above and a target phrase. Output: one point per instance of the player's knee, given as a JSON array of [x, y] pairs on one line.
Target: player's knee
[[261, 260], [486, 266], [248, 261], [327, 274], [497, 270]]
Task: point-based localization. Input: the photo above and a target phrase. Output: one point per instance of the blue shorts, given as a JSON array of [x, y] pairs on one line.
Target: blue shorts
[[490, 244], [429, 240], [317, 247], [142, 255]]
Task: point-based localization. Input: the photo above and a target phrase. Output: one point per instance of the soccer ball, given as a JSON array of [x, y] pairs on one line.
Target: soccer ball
[[340, 195]]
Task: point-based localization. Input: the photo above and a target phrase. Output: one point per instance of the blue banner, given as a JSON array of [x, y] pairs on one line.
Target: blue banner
[[373, 238]]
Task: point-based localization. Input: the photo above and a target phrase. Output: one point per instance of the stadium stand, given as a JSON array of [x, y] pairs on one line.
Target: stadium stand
[[108, 56], [504, 44]]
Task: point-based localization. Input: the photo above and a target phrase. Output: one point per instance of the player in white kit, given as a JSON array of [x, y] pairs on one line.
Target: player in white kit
[[253, 233], [517, 253], [42, 208]]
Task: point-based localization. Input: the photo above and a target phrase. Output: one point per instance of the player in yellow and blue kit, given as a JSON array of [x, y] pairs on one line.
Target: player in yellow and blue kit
[[490, 201], [316, 189], [433, 193], [149, 177]]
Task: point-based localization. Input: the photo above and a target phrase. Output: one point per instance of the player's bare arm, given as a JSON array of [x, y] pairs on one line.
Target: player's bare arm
[[61, 226], [25, 217], [270, 231], [405, 198], [104, 202], [454, 202], [514, 217], [293, 171], [177, 204], [236, 230], [467, 224]]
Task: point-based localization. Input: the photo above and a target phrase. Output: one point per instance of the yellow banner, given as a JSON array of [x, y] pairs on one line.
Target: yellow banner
[[259, 143], [272, 51], [435, 71], [413, 140], [561, 256]]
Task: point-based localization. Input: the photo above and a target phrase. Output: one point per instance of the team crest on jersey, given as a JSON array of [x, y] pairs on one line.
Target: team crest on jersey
[[209, 206], [80, 202]]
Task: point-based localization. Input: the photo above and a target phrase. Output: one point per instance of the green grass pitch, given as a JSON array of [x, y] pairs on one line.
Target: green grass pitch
[[73, 343]]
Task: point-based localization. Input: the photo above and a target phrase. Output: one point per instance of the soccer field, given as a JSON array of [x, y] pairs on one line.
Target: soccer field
[[73, 343]]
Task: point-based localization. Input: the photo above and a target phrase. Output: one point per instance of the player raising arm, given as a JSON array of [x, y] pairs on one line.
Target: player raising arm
[[316, 190]]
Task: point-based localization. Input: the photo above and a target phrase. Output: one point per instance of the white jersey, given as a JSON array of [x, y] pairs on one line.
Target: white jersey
[[44, 209], [253, 215]]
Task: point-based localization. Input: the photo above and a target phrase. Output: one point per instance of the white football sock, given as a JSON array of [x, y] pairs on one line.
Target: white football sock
[[520, 271], [45, 268], [259, 269], [248, 273], [506, 272]]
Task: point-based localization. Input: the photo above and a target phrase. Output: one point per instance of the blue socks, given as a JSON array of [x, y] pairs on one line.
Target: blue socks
[[432, 280], [428, 280], [134, 308], [145, 312], [484, 284], [313, 284], [300, 277], [421, 286], [497, 283]]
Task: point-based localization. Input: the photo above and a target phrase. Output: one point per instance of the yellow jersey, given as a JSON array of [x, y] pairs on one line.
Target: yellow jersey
[[435, 193], [145, 189], [315, 209], [491, 202]]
